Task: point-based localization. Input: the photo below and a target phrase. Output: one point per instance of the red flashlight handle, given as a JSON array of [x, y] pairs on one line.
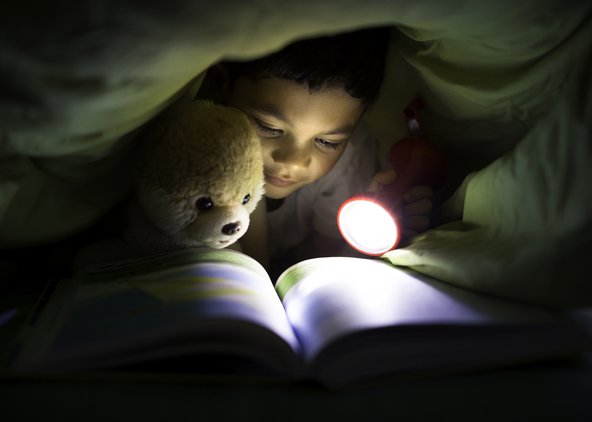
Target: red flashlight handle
[[415, 159], [417, 162]]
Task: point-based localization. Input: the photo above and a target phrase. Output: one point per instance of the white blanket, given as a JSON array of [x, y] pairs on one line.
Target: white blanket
[[507, 84]]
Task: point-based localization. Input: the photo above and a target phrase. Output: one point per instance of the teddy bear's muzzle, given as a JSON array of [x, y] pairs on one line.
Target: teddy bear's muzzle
[[231, 229]]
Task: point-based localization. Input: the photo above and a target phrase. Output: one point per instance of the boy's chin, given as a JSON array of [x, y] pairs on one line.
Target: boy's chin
[[273, 192]]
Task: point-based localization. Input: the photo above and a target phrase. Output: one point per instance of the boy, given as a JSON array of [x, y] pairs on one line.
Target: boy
[[306, 102]]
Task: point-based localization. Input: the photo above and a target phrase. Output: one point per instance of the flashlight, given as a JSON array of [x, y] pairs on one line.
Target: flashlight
[[368, 222]]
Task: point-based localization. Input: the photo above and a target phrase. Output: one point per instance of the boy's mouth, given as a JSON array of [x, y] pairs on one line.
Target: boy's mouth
[[278, 181]]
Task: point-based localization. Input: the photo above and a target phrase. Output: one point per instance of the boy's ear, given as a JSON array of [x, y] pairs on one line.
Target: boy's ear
[[216, 85]]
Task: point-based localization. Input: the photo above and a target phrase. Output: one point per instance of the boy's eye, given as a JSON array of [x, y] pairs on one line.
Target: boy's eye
[[266, 130], [324, 143]]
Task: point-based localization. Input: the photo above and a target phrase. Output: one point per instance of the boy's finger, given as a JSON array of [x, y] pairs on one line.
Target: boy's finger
[[380, 179], [421, 207], [418, 192]]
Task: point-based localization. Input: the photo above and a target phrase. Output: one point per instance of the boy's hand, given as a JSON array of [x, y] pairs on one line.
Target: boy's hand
[[416, 204], [416, 210]]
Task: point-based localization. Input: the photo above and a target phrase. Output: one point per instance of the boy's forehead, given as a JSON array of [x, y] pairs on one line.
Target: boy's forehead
[[279, 97]]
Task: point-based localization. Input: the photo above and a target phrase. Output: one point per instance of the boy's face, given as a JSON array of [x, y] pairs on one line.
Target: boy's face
[[302, 134]]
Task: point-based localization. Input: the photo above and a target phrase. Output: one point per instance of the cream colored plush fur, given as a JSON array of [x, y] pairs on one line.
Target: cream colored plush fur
[[199, 178]]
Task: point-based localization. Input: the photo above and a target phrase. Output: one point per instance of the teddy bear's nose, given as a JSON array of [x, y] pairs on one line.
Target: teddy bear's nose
[[231, 228]]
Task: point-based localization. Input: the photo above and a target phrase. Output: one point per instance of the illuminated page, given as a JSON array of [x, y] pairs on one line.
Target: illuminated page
[[196, 301], [330, 298]]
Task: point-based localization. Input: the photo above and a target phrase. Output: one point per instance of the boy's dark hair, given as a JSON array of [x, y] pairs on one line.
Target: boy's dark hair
[[354, 61]]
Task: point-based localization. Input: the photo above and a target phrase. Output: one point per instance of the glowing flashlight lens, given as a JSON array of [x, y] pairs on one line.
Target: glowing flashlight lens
[[368, 227]]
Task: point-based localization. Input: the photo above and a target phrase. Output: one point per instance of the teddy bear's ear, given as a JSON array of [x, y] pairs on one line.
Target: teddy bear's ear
[[154, 131]]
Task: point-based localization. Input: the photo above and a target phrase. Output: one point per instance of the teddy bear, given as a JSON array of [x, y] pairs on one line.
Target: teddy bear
[[198, 176]]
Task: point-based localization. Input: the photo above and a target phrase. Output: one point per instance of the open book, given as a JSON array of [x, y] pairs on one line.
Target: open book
[[335, 320]]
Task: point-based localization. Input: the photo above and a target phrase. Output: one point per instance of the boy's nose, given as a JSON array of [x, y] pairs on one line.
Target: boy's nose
[[293, 155]]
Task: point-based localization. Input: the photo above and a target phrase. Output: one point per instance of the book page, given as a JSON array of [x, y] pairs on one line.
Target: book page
[[329, 298], [180, 303]]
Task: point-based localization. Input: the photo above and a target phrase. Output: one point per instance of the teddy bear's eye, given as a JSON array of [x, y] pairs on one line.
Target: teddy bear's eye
[[246, 199], [204, 203]]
